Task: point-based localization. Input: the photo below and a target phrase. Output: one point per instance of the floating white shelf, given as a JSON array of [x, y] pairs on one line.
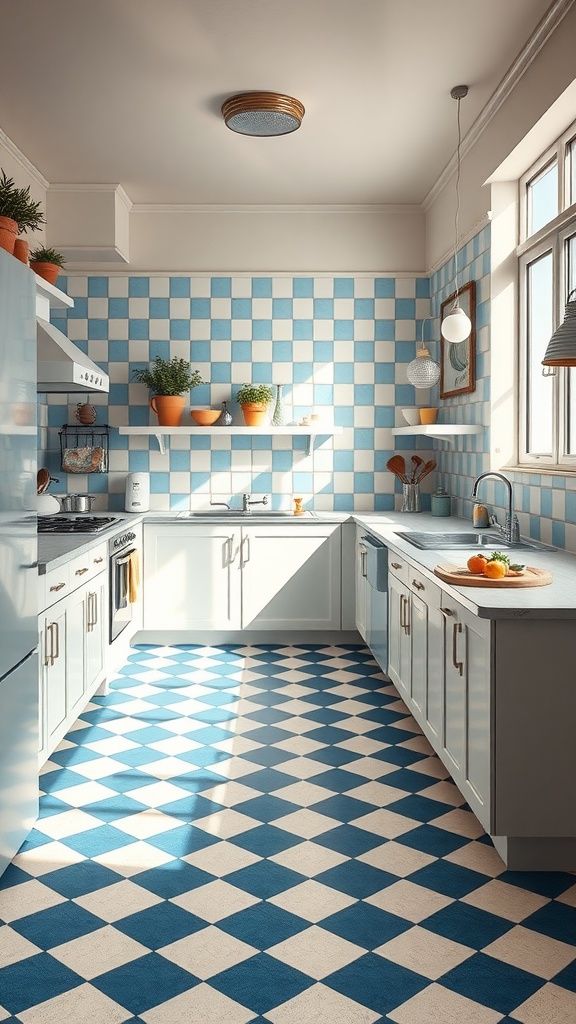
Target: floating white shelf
[[440, 431], [160, 433], [56, 297]]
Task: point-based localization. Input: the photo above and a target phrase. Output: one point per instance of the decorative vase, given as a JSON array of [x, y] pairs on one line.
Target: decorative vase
[[168, 408], [85, 413], [254, 413], [8, 232], [278, 414], [225, 418], [48, 271], [22, 250]]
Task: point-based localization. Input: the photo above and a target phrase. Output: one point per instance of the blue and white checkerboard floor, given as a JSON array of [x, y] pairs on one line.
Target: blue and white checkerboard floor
[[262, 834]]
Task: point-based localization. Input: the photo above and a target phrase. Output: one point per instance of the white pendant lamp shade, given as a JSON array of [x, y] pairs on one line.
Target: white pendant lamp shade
[[423, 372], [456, 326], [561, 349]]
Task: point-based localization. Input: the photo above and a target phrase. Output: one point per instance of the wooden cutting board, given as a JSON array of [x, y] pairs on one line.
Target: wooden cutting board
[[461, 577]]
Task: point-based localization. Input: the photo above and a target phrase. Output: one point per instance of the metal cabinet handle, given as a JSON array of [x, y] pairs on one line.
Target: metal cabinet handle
[[363, 562], [48, 657], [54, 631], [91, 611], [396, 565], [447, 612], [80, 572], [458, 665], [245, 548], [97, 561], [404, 619], [95, 619], [57, 586], [417, 585]]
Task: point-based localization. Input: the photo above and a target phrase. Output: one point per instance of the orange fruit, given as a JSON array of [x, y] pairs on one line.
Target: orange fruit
[[476, 563], [495, 569]]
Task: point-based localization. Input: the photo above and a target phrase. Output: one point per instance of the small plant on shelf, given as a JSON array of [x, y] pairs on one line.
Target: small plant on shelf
[[170, 380], [47, 263], [254, 399], [18, 212]]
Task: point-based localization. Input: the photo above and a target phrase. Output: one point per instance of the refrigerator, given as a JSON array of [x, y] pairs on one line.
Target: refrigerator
[[18, 558]]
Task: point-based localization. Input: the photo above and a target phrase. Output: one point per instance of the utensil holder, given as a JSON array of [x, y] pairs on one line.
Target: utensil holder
[[410, 498]]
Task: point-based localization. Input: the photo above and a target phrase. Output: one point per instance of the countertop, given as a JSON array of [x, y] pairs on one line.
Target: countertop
[[558, 600]]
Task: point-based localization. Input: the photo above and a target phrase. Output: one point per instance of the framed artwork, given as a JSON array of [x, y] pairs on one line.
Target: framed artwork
[[458, 362]]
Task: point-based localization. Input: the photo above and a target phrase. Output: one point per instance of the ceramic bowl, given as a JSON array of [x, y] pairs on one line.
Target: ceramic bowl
[[205, 417], [428, 416], [412, 416]]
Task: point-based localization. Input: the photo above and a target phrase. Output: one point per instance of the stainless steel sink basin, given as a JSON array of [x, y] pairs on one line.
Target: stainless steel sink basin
[[448, 541], [236, 513]]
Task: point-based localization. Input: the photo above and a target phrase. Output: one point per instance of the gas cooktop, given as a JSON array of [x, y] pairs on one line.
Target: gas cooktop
[[68, 524]]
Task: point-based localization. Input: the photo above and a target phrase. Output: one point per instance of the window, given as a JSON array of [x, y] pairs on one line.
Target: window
[[547, 271]]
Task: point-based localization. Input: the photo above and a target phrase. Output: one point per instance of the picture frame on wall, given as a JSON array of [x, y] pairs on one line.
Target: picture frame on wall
[[458, 362]]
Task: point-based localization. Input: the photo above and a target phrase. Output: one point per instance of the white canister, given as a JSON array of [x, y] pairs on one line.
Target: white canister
[[137, 492]]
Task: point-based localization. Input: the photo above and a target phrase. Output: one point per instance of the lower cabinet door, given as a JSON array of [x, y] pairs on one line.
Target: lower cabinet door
[[399, 639], [361, 585], [53, 669], [75, 662], [191, 577], [95, 624], [291, 578]]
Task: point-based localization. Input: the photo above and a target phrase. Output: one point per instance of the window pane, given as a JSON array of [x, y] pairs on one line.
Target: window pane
[[543, 198], [539, 323], [571, 171], [571, 392]]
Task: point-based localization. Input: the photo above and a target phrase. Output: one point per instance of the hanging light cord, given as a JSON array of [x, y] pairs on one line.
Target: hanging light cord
[[457, 214]]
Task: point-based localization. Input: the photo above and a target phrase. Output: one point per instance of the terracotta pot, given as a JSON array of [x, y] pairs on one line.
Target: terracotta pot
[[48, 271], [8, 232], [168, 409], [22, 250], [254, 413]]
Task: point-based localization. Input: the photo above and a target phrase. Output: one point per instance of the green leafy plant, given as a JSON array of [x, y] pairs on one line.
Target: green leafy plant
[[16, 204], [254, 393], [45, 255], [169, 376]]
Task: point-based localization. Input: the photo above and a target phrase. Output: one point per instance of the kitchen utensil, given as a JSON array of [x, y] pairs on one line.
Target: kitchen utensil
[[76, 502], [47, 505], [417, 463], [397, 466], [427, 468], [43, 480], [462, 577]]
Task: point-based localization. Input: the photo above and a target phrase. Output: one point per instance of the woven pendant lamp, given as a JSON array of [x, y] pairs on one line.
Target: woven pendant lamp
[[423, 372], [561, 349]]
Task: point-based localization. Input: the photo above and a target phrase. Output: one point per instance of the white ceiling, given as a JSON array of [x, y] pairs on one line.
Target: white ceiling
[[129, 92]]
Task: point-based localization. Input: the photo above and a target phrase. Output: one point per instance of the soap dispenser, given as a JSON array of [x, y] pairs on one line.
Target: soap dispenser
[[480, 516]]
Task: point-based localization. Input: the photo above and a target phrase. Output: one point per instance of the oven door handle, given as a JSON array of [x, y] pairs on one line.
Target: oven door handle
[[122, 582]]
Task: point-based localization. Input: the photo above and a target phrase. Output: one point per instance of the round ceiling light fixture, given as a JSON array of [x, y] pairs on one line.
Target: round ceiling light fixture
[[262, 113]]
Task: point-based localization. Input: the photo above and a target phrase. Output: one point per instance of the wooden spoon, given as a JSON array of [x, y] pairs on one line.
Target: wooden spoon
[[417, 462], [428, 467], [397, 466]]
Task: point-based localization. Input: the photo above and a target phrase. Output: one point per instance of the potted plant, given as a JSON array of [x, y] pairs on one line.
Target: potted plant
[[47, 263], [18, 212], [170, 380], [254, 399]]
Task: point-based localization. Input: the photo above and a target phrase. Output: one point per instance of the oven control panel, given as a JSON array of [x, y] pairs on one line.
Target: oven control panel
[[122, 540]]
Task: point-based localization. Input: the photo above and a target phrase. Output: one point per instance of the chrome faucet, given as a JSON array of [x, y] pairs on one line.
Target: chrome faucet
[[511, 528], [246, 502]]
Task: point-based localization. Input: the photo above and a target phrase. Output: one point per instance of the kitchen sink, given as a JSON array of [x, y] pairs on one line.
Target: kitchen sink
[[440, 541], [237, 513]]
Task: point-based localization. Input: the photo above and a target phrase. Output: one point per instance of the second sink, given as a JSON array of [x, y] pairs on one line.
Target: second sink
[[446, 541]]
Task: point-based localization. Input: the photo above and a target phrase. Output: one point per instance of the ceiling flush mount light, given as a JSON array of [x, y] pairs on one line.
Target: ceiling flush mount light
[[423, 372], [456, 326], [561, 349], [262, 113]]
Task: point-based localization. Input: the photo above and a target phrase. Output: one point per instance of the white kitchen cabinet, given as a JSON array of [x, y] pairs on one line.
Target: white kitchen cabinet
[[192, 576], [201, 577], [399, 626], [72, 650], [466, 700]]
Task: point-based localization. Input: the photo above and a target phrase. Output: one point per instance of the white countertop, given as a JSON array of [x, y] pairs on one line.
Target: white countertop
[[558, 600]]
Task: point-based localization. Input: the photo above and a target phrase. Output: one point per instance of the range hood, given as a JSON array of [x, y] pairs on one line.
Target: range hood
[[62, 366]]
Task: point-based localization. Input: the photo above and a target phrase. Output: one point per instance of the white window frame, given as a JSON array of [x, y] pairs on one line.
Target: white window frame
[[552, 237]]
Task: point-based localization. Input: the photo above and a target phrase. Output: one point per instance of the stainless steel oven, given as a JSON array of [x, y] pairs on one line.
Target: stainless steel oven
[[122, 561]]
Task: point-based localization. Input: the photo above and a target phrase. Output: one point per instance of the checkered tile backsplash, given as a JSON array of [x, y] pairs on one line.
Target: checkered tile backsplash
[[339, 346]]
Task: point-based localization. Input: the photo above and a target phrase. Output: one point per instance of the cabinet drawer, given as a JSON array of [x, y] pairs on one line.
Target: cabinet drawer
[[398, 566], [57, 583], [425, 589], [54, 585], [83, 567]]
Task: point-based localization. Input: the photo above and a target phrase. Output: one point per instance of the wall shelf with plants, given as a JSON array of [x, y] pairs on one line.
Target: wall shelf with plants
[[160, 433]]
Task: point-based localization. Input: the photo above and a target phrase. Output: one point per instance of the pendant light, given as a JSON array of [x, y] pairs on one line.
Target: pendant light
[[561, 349], [262, 113], [423, 372], [456, 326]]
